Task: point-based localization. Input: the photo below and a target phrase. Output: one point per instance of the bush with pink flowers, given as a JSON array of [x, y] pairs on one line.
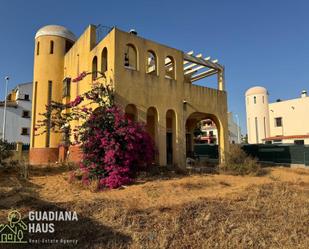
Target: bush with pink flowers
[[114, 147]]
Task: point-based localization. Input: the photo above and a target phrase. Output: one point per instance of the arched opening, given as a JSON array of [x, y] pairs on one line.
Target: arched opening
[[152, 127], [170, 137], [151, 63], [94, 68], [131, 112], [170, 67], [104, 60], [51, 49], [130, 57], [203, 137]]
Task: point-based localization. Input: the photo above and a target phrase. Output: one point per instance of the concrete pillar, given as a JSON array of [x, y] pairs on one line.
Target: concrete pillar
[[19, 149], [223, 138], [221, 86]]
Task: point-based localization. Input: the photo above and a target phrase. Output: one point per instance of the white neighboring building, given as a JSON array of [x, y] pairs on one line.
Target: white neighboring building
[[18, 114], [234, 130], [279, 122], [210, 131]]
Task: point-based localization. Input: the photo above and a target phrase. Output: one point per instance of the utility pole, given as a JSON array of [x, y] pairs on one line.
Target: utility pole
[[5, 102], [237, 118]]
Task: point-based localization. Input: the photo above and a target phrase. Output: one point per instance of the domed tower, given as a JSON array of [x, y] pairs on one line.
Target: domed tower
[[51, 44], [257, 114]]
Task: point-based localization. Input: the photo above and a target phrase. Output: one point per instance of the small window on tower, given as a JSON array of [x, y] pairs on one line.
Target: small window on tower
[[26, 97], [254, 99], [51, 47], [38, 48]]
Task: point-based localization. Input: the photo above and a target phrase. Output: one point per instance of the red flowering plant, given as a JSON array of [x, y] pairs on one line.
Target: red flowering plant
[[114, 147]]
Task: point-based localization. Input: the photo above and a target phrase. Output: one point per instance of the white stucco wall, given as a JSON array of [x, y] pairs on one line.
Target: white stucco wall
[[294, 114], [14, 116]]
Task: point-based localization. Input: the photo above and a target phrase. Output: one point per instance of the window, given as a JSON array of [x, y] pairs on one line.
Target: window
[[254, 99], [51, 50], [66, 87], [104, 60], [263, 99], [299, 142], [277, 141], [26, 114], [26, 97], [211, 133], [38, 48], [278, 122], [130, 57], [169, 67], [24, 131], [94, 68], [151, 63]]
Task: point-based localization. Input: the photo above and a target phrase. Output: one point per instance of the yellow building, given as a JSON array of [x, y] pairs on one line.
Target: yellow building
[[279, 122], [153, 83]]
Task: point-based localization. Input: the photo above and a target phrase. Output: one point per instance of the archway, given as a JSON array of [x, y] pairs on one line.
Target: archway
[[203, 132], [152, 127], [131, 112], [170, 137]]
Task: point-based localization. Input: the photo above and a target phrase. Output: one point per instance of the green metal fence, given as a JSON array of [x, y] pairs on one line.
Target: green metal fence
[[275, 153], [279, 153], [209, 150]]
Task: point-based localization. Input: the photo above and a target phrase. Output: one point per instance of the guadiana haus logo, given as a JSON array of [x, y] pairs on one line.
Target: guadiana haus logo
[[40, 222]]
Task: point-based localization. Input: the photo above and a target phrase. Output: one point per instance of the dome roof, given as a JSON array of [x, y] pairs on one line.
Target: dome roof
[[256, 90], [57, 31]]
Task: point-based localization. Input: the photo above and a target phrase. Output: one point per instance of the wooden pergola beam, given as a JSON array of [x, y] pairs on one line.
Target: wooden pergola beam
[[200, 61], [204, 74]]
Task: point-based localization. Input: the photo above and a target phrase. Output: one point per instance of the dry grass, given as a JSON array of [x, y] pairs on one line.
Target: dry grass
[[199, 211]]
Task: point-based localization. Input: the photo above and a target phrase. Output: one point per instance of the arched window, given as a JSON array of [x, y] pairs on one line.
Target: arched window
[[151, 63], [94, 68], [51, 49], [130, 57], [254, 99], [169, 67], [38, 48], [104, 60]]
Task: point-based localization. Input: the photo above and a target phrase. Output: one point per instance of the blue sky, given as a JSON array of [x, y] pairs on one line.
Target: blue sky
[[259, 42]]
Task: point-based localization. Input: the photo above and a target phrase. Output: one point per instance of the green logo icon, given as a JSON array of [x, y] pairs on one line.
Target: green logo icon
[[14, 231]]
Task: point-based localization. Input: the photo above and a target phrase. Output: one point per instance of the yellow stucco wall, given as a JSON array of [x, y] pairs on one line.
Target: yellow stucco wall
[[137, 87]]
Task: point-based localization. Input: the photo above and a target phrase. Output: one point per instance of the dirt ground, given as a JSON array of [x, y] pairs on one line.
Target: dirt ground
[[197, 211]]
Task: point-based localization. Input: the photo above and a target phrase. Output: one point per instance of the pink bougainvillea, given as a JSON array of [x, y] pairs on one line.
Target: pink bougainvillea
[[114, 147]]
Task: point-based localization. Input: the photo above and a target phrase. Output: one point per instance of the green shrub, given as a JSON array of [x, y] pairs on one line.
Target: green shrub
[[237, 162], [5, 151]]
